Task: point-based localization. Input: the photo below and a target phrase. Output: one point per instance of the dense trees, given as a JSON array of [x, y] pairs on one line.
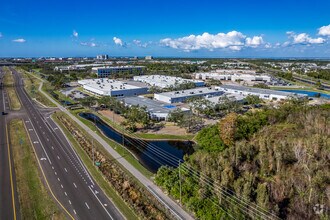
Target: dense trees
[[279, 160]]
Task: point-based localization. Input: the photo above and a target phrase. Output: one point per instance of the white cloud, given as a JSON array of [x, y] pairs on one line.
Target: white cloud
[[324, 31], [19, 40], [118, 41], [233, 40], [75, 33], [304, 38], [254, 41], [89, 44], [140, 44]]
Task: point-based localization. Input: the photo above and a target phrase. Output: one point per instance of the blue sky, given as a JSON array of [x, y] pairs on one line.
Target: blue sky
[[176, 28]]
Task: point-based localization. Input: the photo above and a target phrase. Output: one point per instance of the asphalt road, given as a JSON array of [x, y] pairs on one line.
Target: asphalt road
[[169, 203], [9, 205], [64, 174]]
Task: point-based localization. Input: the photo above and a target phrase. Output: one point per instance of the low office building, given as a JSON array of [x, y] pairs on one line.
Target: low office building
[[183, 95], [103, 72], [157, 110], [163, 81], [261, 93], [108, 87], [233, 77]]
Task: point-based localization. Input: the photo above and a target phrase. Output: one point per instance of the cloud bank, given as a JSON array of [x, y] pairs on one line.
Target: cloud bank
[[232, 40], [118, 41]]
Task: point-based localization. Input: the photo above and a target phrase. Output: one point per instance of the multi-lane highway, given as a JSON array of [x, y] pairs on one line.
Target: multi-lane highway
[[64, 174], [9, 205]]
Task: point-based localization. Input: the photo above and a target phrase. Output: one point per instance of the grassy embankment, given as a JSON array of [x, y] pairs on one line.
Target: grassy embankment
[[35, 202], [119, 148], [96, 173], [8, 81], [31, 85]]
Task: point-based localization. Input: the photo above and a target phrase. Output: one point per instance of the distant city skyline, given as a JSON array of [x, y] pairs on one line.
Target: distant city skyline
[[174, 28]]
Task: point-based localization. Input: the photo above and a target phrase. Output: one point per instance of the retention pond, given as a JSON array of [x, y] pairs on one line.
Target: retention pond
[[152, 154]]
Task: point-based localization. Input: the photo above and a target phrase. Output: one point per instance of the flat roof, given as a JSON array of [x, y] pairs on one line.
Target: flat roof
[[163, 80], [105, 84], [117, 67], [151, 104], [259, 90], [190, 92]]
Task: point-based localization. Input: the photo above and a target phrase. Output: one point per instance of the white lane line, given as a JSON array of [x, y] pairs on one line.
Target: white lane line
[[70, 202], [65, 194], [58, 179], [41, 143], [52, 147], [52, 167], [55, 173], [58, 157], [100, 203], [65, 169], [61, 186], [87, 205], [75, 212], [75, 185]]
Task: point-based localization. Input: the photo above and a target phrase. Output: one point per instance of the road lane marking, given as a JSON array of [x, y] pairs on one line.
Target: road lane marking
[[55, 173], [43, 174], [61, 186], [75, 185], [70, 202], [100, 203], [40, 142], [75, 212], [11, 175], [87, 205], [58, 179], [65, 194], [65, 169], [58, 157]]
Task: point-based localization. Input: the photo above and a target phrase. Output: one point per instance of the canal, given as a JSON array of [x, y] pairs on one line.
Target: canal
[[152, 154]]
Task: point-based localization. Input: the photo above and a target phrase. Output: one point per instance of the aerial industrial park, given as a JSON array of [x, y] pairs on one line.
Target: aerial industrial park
[[172, 110]]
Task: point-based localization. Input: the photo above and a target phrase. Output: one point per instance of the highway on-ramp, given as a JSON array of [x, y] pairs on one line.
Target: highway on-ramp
[[64, 174]]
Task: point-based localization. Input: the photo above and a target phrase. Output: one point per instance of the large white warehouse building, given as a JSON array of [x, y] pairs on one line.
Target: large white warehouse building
[[183, 95], [233, 77], [108, 87], [163, 81], [261, 93], [157, 110]]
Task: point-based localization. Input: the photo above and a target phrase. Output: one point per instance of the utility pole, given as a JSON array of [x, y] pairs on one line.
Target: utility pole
[[93, 151], [180, 181]]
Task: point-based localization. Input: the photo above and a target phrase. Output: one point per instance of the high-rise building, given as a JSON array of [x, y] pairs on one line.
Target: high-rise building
[[102, 57]]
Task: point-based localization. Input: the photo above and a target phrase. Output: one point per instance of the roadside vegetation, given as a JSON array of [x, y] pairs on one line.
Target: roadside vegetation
[[139, 199], [276, 159], [9, 83], [31, 85], [35, 202]]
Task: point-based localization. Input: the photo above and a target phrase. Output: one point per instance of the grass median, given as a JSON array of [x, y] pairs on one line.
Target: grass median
[[35, 202], [8, 81]]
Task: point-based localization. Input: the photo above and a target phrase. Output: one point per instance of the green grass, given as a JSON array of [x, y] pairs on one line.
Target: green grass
[[35, 202], [31, 85], [8, 81], [119, 148], [97, 175], [13, 99]]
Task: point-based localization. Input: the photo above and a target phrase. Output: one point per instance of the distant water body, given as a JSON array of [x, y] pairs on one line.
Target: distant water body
[[309, 93]]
